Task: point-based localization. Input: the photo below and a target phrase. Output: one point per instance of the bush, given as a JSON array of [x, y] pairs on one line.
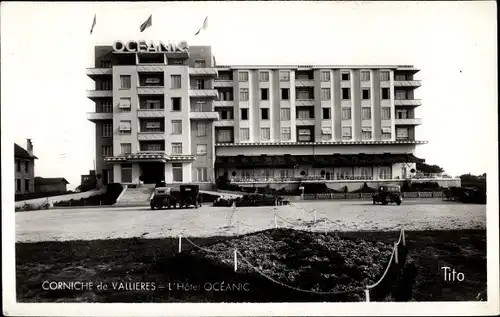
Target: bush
[[109, 198]]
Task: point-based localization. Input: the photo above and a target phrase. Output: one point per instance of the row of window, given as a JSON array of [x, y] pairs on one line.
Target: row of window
[[177, 173], [340, 173], [126, 82], [326, 94], [26, 185], [152, 104], [126, 148], [153, 126], [26, 166], [284, 75]]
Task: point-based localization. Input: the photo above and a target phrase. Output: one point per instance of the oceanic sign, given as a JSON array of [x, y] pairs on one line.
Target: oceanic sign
[[150, 47]]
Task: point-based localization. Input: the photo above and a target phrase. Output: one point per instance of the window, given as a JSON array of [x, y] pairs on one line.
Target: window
[[106, 106], [365, 75], [285, 94], [26, 167], [285, 114], [400, 77], [385, 113], [242, 76], [326, 133], [303, 95], [106, 64], [150, 146], [244, 134], [264, 114], [104, 84], [284, 174], [346, 93], [243, 94], [176, 104], [325, 75], [18, 185], [304, 135], [345, 76], [18, 165], [346, 113], [386, 133], [176, 148], [325, 94], [303, 115], [202, 174], [244, 113], [199, 106], [284, 75], [126, 173], [264, 94], [107, 130], [26, 185], [152, 81], [200, 84], [365, 94], [286, 134], [326, 113], [153, 104], [226, 113], [263, 76], [107, 150], [401, 95], [385, 172], [125, 104], [176, 126], [177, 172], [402, 114], [384, 75], [402, 133], [385, 93], [201, 149], [126, 148], [224, 136], [199, 63], [366, 133], [125, 127], [366, 113], [201, 129], [265, 134], [175, 82], [151, 126], [125, 82], [346, 133]]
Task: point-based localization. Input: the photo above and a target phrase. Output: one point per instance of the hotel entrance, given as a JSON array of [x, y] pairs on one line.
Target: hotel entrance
[[152, 172]]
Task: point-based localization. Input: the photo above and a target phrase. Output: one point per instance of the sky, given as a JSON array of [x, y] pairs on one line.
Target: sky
[[47, 46]]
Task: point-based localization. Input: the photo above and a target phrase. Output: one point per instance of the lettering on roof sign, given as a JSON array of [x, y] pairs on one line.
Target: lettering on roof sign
[[150, 47]]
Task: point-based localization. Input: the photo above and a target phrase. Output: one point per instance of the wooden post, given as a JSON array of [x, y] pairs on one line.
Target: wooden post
[[367, 295], [235, 260], [237, 228], [275, 222], [180, 243], [325, 225], [403, 233], [315, 219], [396, 252]]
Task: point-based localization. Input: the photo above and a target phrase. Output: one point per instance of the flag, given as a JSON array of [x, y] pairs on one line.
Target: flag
[[93, 24], [148, 23], [204, 26]]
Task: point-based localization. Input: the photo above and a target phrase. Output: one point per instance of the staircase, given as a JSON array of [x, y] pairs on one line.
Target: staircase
[[136, 196]]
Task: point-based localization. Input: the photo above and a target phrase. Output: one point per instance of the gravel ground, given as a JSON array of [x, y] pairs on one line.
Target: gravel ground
[[127, 222]]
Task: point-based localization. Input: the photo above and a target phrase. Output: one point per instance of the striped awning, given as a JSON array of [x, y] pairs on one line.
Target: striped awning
[[289, 161]]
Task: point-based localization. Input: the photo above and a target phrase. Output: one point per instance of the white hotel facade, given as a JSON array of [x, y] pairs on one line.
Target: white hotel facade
[[178, 117]]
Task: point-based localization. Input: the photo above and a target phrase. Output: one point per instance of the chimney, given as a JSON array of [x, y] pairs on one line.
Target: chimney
[[29, 147]]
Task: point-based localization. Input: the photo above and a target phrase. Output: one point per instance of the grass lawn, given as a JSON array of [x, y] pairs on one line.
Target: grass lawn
[[156, 261]]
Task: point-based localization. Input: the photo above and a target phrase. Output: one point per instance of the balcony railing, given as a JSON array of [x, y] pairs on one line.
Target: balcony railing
[[414, 121], [150, 136], [151, 113], [223, 83], [204, 93], [93, 94], [97, 116], [94, 72], [304, 83], [304, 102], [407, 102], [150, 90], [223, 103], [204, 71], [150, 68], [407, 83]]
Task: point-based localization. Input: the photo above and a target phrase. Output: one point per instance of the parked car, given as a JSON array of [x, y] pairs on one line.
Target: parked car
[[388, 194], [188, 195]]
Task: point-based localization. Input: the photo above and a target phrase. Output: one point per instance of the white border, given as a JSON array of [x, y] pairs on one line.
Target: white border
[[10, 307]]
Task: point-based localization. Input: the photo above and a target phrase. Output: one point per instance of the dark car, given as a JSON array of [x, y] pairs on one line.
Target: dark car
[[388, 194], [190, 196]]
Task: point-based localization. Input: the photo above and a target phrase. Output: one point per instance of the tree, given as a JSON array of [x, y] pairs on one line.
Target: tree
[[429, 169]]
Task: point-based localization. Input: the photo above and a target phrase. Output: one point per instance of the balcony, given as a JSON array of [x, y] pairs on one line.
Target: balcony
[[223, 83], [151, 113], [150, 68], [408, 102], [305, 122], [150, 136], [204, 72], [224, 123], [208, 115], [96, 94], [304, 83], [204, 93], [98, 116], [159, 90], [407, 83], [223, 103], [304, 102], [95, 72], [414, 121]]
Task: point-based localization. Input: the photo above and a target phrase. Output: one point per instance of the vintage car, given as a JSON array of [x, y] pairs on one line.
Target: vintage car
[[388, 194], [188, 195]]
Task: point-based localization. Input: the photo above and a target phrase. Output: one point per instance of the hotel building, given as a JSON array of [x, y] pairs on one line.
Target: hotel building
[[173, 114]]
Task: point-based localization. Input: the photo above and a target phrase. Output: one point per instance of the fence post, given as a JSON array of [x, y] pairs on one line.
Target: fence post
[[235, 260], [315, 219], [432, 194], [100, 202], [325, 225], [275, 222], [367, 295], [403, 232], [418, 194], [396, 252], [237, 228], [180, 243]]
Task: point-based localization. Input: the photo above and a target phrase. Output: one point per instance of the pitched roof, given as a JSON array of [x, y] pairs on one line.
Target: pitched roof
[[50, 181], [22, 153]]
